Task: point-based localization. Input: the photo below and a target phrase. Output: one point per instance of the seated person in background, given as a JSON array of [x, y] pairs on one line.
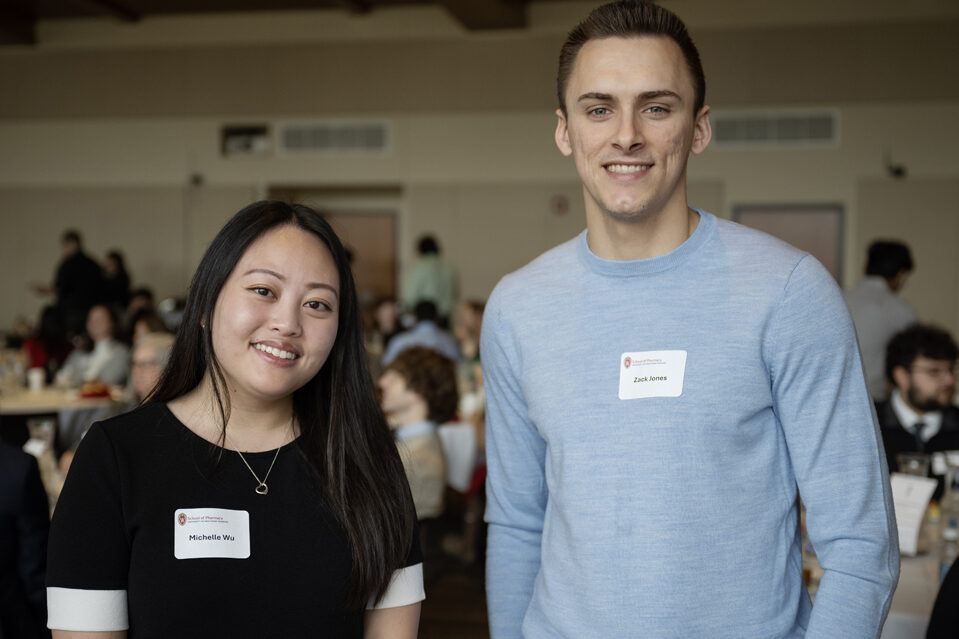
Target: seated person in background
[[920, 417], [419, 392], [24, 527], [150, 355], [109, 359], [426, 333], [469, 321], [47, 346], [144, 322], [387, 320], [141, 300]]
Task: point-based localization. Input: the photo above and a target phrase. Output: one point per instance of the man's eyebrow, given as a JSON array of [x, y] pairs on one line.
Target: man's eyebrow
[[646, 95], [594, 95], [280, 277], [662, 93]]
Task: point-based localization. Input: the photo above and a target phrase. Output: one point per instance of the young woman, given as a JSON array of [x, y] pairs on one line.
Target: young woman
[[107, 360], [258, 493]]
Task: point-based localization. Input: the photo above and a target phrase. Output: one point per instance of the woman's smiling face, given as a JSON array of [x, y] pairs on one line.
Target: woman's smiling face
[[276, 318]]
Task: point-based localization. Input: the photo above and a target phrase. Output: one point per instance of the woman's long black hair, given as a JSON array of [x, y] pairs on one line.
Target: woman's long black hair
[[343, 432]]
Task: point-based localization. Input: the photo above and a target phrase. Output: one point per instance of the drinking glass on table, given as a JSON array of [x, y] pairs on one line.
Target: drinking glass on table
[[913, 464]]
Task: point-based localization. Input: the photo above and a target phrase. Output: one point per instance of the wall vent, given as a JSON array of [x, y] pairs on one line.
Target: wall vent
[[369, 136], [785, 128]]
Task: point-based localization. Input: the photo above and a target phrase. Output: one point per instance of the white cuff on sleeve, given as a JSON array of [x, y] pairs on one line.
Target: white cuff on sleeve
[[86, 610], [406, 587]]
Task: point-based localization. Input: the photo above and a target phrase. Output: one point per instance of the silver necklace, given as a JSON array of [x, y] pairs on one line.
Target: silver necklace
[[261, 487]]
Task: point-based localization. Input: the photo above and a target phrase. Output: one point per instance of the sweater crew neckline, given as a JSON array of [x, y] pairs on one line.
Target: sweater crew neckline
[[652, 265]]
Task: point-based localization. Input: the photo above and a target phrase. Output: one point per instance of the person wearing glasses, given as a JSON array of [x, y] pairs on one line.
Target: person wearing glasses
[[919, 416]]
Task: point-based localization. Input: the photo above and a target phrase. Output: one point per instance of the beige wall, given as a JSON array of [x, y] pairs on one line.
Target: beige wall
[[162, 231], [924, 213], [109, 124]]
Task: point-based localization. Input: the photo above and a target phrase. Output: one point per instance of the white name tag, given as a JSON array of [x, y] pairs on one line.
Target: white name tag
[[211, 532], [651, 374]]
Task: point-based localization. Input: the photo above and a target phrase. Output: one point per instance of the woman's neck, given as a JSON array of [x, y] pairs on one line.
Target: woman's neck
[[252, 426]]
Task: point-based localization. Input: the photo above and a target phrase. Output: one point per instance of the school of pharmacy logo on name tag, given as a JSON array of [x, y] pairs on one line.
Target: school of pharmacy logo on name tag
[[651, 374], [200, 533]]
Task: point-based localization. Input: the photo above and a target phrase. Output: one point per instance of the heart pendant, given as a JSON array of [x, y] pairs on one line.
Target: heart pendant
[[262, 489]]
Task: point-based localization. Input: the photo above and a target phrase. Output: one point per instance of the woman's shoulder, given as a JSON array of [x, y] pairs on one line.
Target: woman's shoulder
[[136, 424], [116, 447]]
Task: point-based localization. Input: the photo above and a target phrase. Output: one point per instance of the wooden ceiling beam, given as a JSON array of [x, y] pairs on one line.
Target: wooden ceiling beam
[[117, 9], [16, 25], [478, 15]]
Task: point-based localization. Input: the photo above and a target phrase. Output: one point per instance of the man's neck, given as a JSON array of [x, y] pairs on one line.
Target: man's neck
[[649, 236]]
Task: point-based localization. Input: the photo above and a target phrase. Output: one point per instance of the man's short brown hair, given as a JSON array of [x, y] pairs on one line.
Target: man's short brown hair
[[630, 19], [431, 376]]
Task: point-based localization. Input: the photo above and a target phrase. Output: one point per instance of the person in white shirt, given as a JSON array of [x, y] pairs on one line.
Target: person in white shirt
[[877, 310], [107, 362]]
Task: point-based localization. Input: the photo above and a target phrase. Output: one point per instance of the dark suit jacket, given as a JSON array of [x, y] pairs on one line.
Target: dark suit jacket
[[24, 525], [944, 622], [897, 439]]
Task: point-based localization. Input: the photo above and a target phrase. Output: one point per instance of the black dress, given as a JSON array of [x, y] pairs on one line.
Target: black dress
[[113, 531]]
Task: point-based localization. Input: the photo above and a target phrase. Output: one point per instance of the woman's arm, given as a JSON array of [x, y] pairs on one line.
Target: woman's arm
[[71, 634], [401, 622]]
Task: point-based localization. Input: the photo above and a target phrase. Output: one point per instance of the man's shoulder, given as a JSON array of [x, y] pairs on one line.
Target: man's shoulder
[[14, 462], [757, 244], [551, 266], [83, 261]]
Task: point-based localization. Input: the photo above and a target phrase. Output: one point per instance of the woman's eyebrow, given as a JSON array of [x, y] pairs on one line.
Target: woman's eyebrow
[[280, 277]]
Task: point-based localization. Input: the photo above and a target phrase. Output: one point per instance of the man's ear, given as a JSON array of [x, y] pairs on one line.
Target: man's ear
[[702, 131], [562, 134], [900, 377]]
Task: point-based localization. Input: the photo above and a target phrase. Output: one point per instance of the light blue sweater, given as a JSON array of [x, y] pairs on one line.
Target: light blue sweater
[[676, 516]]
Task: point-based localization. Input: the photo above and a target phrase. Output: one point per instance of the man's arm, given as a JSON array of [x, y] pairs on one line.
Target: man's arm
[[822, 402], [516, 484]]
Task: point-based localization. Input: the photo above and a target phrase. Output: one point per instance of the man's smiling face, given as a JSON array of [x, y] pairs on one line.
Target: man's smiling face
[[630, 126]]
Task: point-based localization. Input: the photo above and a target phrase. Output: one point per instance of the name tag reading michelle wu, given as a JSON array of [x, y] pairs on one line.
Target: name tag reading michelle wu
[[200, 533], [651, 374]]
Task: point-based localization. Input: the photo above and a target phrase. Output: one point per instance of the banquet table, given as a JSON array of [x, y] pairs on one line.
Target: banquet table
[[73, 412], [47, 401]]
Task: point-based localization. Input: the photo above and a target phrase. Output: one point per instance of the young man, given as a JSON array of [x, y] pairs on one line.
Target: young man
[[920, 417], [418, 393], [664, 387], [877, 310]]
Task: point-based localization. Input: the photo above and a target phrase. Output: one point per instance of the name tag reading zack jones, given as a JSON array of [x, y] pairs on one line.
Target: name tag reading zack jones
[[651, 374], [200, 533]]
